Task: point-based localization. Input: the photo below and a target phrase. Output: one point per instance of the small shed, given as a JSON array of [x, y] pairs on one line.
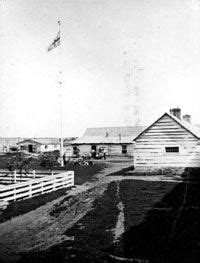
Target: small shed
[[171, 141], [38, 145], [115, 141]]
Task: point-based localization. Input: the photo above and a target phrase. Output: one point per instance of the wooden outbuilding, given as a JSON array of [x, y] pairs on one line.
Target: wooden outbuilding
[[171, 141], [38, 145], [114, 141]]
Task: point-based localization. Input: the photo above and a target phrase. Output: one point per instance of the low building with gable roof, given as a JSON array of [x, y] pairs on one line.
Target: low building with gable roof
[[37, 145], [171, 141], [114, 141]]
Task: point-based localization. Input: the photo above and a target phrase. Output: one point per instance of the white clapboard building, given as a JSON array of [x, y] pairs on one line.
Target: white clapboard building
[[171, 141], [37, 145]]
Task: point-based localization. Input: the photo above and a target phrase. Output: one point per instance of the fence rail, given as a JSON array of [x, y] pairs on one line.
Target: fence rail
[[8, 177], [13, 177], [34, 187]]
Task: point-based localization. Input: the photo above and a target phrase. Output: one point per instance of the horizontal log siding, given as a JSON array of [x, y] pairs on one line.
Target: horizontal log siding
[[150, 147]]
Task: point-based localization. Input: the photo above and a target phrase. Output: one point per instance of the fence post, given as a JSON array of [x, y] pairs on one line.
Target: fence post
[[42, 187], [34, 174], [14, 194], [30, 189], [72, 181], [10, 178], [54, 181], [15, 177]]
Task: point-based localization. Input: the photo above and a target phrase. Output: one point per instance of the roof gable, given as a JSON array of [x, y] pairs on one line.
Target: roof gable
[[29, 141], [44, 141], [188, 127]]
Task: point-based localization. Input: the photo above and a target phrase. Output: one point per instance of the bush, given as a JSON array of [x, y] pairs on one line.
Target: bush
[[49, 160], [21, 163]]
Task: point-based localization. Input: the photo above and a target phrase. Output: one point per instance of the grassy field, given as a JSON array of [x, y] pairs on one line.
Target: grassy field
[[157, 227], [161, 220], [24, 206], [85, 173], [161, 228]]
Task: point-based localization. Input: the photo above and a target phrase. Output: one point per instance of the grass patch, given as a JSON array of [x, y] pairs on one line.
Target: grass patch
[[139, 197], [84, 174], [24, 206], [157, 228]]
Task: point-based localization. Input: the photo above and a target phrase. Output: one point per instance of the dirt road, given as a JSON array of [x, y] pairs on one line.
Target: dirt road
[[45, 226]]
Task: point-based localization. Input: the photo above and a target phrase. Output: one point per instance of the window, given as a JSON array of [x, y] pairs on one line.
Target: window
[[23, 147], [172, 149], [124, 149], [75, 150]]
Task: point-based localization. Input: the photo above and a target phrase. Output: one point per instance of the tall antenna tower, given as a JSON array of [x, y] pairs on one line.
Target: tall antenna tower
[[127, 91], [131, 92]]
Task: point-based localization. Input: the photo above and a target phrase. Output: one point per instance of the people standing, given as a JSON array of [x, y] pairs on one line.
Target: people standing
[[104, 154]]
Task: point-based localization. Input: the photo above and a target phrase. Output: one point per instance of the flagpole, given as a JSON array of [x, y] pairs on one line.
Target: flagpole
[[60, 95]]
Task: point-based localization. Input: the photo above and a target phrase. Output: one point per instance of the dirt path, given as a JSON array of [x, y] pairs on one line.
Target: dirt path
[[45, 226], [119, 228]]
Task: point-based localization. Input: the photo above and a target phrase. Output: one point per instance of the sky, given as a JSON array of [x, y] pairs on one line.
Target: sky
[[153, 42]]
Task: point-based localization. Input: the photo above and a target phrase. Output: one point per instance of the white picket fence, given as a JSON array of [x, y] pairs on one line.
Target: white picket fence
[[34, 187]]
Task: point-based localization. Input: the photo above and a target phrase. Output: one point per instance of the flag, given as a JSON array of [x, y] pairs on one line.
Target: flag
[[55, 43]]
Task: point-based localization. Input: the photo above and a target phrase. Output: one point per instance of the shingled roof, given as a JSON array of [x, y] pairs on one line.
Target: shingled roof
[[109, 135]]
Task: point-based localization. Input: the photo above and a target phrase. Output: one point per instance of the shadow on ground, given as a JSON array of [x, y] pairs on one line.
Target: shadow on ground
[[170, 231], [162, 224]]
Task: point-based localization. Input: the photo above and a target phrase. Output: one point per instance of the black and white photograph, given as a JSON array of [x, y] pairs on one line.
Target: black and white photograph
[[99, 131]]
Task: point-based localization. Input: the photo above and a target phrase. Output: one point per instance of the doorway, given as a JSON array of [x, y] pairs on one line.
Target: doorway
[[94, 148], [30, 148], [94, 151]]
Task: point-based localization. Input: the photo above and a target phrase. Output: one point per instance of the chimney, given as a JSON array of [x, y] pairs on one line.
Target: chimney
[[120, 136], [187, 118], [176, 112]]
